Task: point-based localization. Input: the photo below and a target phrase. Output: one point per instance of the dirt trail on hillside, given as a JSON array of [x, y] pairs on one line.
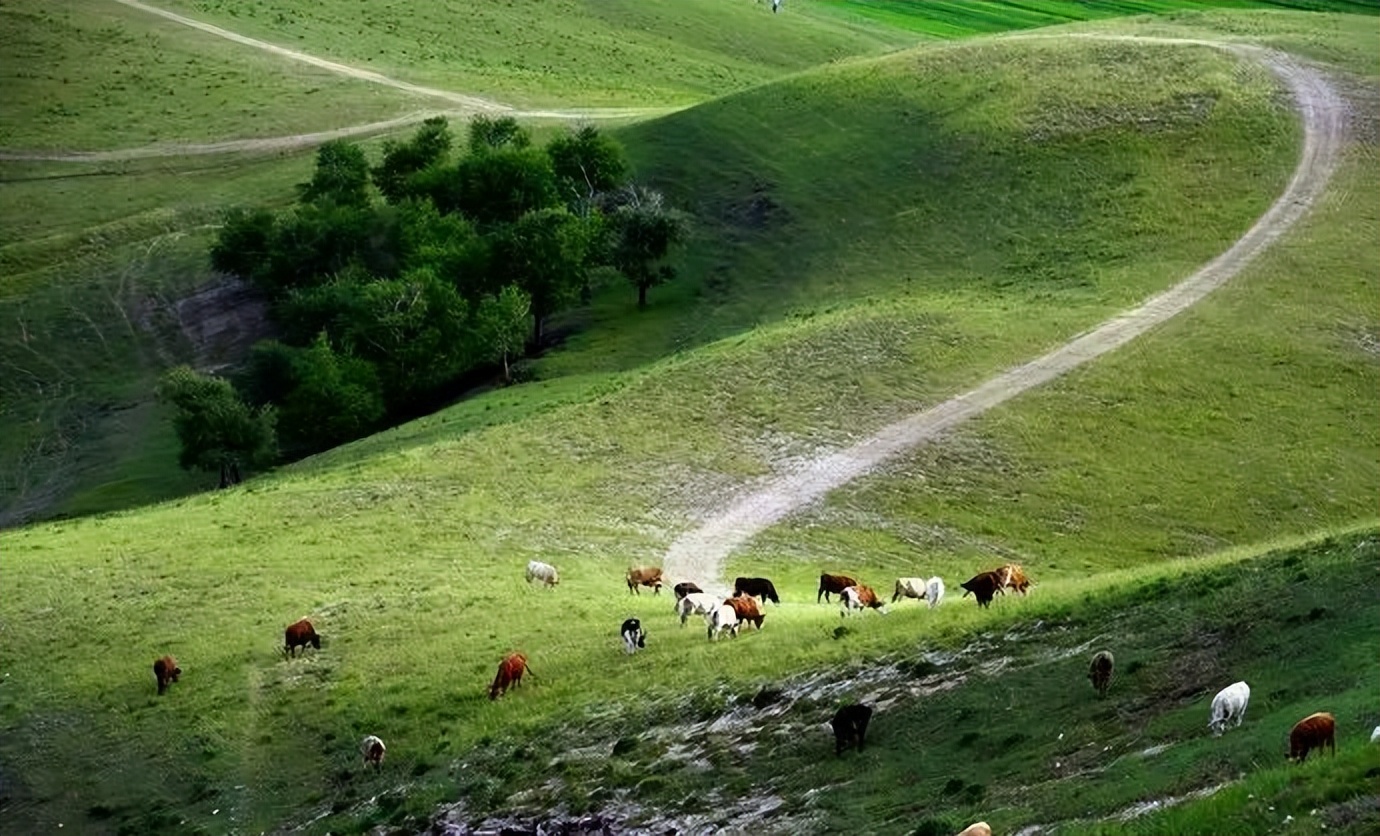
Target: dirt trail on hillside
[[699, 554], [468, 106]]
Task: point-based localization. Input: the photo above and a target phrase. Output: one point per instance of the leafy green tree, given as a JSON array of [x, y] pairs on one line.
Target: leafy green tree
[[497, 187], [643, 232], [403, 161], [448, 245], [503, 133], [244, 245], [546, 254], [501, 325], [341, 176], [336, 398], [217, 430], [586, 163]]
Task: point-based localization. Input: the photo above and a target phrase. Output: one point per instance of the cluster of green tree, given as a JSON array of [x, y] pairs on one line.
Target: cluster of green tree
[[390, 282]]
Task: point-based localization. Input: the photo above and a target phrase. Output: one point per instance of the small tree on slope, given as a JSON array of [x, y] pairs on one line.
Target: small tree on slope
[[217, 430]]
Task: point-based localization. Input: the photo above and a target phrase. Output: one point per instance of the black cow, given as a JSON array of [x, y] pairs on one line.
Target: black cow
[[850, 726], [757, 588], [685, 588]]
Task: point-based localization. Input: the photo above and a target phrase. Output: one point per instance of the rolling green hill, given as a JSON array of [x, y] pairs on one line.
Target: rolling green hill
[[873, 238]]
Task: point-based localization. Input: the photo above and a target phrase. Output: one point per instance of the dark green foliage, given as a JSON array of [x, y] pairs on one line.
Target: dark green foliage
[[501, 325], [334, 397], [217, 430], [499, 187], [586, 164], [341, 176], [404, 160], [496, 134], [445, 244], [545, 254], [642, 232], [245, 244]]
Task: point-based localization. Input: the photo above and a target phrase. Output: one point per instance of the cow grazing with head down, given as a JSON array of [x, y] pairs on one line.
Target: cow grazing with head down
[[1229, 705], [934, 591], [166, 671], [633, 635], [983, 587], [1100, 671], [696, 602], [300, 635], [644, 576], [746, 609], [834, 584], [909, 588], [979, 828], [757, 588], [510, 672], [861, 597], [544, 572], [684, 588], [1012, 576], [850, 726], [722, 619], [1312, 732], [372, 749]]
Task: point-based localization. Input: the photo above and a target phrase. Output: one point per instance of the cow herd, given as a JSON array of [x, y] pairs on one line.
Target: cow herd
[[728, 615]]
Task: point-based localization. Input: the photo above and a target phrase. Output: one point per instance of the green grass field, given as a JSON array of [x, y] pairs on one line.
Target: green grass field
[[871, 238]]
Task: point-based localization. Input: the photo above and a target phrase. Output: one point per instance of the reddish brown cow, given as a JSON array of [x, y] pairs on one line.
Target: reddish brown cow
[[1312, 732], [1012, 576], [166, 671], [644, 576], [983, 586], [510, 672], [745, 607], [835, 584], [300, 635]]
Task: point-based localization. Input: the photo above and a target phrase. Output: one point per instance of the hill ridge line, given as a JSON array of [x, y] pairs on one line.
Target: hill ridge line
[[699, 554]]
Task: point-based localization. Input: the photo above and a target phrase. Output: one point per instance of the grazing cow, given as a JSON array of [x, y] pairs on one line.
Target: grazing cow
[[1012, 576], [166, 671], [934, 591], [833, 583], [757, 588], [633, 635], [1100, 671], [858, 597], [983, 586], [1375, 735], [979, 828], [300, 635], [684, 589], [696, 602], [544, 572], [372, 749], [644, 576], [850, 726], [723, 618], [909, 588], [1312, 732], [1229, 704], [746, 609], [510, 672]]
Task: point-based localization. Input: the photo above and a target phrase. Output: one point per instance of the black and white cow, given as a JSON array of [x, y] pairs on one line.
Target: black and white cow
[[633, 635]]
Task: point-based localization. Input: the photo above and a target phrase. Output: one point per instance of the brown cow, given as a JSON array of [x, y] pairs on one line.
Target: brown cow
[[1100, 671], [644, 576], [983, 586], [745, 607], [685, 588], [510, 672], [166, 671], [832, 583], [850, 726], [1012, 576], [300, 635], [1312, 732]]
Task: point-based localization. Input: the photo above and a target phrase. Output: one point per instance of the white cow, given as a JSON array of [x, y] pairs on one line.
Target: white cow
[[934, 591], [1375, 735], [724, 618], [909, 588], [1229, 705], [696, 602], [544, 572]]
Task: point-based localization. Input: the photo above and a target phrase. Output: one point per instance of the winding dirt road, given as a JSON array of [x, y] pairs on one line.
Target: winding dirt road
[[699, 554]]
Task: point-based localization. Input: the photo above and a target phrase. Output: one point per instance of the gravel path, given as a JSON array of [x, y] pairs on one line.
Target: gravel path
[[699, 554]]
